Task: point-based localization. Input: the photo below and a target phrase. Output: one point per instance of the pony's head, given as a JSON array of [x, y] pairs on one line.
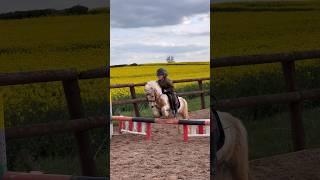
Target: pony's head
[[152, 91]]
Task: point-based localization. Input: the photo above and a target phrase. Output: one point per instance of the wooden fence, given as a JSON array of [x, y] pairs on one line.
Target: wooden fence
[[134, 100], [293, 96], [78, 123]]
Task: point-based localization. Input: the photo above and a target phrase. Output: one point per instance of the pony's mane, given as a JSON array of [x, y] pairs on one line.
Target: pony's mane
[[153, 85]]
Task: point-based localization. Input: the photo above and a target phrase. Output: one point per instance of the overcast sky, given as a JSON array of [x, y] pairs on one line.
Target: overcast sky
[[145, 31], [20, 5]]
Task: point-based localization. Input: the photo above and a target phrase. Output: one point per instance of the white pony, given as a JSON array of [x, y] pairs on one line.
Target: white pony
[[159, 102], [233, 163]]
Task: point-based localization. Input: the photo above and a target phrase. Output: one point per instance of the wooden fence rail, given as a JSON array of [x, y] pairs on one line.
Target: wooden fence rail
[[143, 100], [263, 58], [281, 98], [18, 78], [56, 127]]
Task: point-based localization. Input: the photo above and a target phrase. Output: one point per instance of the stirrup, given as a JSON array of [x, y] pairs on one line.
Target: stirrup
[[174, 112]]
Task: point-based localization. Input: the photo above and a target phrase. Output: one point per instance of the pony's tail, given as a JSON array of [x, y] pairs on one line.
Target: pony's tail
[[185, 111]]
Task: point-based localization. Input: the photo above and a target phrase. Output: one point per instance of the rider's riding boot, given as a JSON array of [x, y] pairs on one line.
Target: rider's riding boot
[[174, 105], [171, 104], [174, 113]]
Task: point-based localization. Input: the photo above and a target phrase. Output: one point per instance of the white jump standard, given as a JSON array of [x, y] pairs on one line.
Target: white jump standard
[[195, 131]]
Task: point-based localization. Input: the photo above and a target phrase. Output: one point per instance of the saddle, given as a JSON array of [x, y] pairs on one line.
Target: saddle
[[173, 100]]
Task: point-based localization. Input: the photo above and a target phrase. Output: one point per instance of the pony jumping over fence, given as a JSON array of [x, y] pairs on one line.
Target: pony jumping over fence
[[159, 102]]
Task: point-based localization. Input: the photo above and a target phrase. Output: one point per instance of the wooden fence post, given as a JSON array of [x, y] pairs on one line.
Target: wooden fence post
[[203, 104], [134, 96], [297, 128], [72, 94]]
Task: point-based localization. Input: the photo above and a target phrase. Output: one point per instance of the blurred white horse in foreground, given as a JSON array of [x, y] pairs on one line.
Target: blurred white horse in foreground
[[232, 157]]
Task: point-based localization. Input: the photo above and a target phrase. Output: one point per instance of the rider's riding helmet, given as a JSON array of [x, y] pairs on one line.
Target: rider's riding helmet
[[162, 72]]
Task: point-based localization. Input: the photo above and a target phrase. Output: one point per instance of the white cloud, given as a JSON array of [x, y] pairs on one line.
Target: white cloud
[[186, 40], [141, 13]]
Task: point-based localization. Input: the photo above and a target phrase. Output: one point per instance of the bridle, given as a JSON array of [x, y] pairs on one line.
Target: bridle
[[155, 100]]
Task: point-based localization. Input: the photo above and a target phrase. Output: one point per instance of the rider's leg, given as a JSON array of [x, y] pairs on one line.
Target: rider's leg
[[174, 104], [176, 101], [171, 103]]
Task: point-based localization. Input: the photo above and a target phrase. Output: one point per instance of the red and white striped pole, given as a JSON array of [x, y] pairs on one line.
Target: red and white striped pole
[[185, 133], [148, 131]]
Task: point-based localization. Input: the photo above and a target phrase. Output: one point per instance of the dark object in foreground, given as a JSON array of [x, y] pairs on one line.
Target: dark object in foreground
[[39, 176]]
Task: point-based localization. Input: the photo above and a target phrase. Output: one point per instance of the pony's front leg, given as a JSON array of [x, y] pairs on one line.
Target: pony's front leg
[[156, 113], [165, 110], [166, 113]]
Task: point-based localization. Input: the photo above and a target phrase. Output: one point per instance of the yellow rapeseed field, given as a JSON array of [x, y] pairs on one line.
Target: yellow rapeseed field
[[147, 72]]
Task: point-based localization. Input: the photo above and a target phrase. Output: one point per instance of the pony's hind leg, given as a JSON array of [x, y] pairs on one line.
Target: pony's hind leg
[[183, 112]]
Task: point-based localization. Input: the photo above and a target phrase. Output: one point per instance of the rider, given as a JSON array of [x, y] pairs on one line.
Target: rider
[[167, 88]]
